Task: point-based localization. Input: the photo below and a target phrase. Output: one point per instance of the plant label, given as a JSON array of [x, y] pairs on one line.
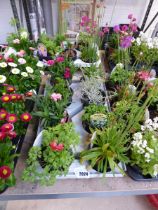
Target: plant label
[[81, 172]]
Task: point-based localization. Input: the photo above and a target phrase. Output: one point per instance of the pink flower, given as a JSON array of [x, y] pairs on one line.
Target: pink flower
[[130, 16], [134, 19], [50, 62], [88, 28], [143, 75], [133, 27], [63, 120], [59, 59], [21, 53], [124, 28], [105, 29], [85, 19], [116, 29], [56, 96], [101, 33], [16, 41]]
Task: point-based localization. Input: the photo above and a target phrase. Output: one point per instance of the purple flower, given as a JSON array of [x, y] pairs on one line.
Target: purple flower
[[126, 42], [130, 16], [116, 29], [124, 28]]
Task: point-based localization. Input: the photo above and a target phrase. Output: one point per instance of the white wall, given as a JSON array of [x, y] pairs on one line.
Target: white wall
[[117, 11], [5, 15]]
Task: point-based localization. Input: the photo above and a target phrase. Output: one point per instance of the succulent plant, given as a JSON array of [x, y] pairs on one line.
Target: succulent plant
[[98, 120]]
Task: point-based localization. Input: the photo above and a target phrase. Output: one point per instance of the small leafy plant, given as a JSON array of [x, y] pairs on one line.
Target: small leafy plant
[[55, 154]]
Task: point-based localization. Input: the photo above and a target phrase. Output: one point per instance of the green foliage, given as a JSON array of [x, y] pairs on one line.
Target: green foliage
[[55, 162], [120, 76], [49, 111], [93, 109], [108, 149], [89, 54]]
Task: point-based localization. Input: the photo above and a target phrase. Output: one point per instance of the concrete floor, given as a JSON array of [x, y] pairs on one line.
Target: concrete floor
[[111, 203]]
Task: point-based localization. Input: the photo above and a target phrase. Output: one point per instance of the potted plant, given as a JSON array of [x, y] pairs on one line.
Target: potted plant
[[53, 151], [107, 150], [92, 91], [95, 116], [144, 152]]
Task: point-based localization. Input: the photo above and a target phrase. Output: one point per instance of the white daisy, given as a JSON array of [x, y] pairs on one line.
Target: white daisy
[[40, 64], [15, 71], [29, 70], [2, 78], [21, 60], [24, 74], [12, 64], [3, 65]]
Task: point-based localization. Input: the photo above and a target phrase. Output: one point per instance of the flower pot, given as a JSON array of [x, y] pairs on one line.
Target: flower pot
[[135, 173]]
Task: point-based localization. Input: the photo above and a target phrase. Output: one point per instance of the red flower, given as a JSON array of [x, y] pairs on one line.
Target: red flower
[[11, 118], [6, 98], [12, 134], [67, 73], [29, 94], [10, 60], [10, 89], [5, 172], [60, 59], [13, 97], [19, 96], [6, 127], [56, 147], [2, 135], [26, 117], [1, 57], [3, 110], [3, 115]]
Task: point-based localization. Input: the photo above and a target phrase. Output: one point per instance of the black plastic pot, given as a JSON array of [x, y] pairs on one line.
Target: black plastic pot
[[135, 173]]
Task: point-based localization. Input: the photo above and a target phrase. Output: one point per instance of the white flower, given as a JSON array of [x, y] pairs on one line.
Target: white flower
[[24, 35], [144, 144], [150, 150], [150, 45], [2, 78], [42, 72], [120, 65], [147, 160], [21, 60], [24, 74], [155, 119], [147, 155], [155, 169], [3, 65], [155, 126], [142, 127], [141, 53], [12, 64], [40, 64], [15, 71], [138, 41], [16, 41], [137, 136], [149, 122], [29, 70]]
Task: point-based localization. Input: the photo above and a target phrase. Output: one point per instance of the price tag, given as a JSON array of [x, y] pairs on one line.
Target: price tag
[[81, 172]]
